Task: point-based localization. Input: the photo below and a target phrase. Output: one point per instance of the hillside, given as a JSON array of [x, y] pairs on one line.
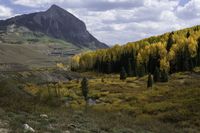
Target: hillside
[[22, 46], [167, 53], [56, 23]]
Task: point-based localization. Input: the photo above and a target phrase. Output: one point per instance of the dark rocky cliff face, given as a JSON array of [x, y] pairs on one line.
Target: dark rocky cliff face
[[58, 23]]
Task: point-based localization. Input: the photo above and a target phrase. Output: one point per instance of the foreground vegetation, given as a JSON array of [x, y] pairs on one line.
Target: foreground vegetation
[[114, 105]]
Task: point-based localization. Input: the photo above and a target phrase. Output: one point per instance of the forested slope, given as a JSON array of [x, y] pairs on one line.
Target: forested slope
[[167, 53]]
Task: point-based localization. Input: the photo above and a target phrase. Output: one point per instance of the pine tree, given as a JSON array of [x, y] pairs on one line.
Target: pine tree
[[130, 72], [198, 53], [188, 34], [156, 75], [84, 87], [141, 71], [186, 58], [150, 81], [170, 41], [123, 74], [164, 76], [109, 67], [134, 67]]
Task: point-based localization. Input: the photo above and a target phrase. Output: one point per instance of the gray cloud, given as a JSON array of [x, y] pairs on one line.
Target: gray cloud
[[92, 5], [108, 5]]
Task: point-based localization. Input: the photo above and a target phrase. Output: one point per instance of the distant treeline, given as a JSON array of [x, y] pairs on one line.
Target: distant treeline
[[168, 53]]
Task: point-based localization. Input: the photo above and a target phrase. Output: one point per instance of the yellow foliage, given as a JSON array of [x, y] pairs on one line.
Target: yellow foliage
[[164, 64], [144, 49], [75, 61], [192, 45], [60, 65]]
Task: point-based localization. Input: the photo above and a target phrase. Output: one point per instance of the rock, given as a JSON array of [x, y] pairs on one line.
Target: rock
[[44, 116], [3, 126], [77, 130], [98, 101], [3, 130], [27, 128], [67, 103], [71, 126], [66, 131], [51, 127], [91, 102]]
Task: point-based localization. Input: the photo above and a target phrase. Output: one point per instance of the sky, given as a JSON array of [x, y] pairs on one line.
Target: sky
[[117, 21]]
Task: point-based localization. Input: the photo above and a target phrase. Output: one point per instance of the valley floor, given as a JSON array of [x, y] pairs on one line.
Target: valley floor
[[114, 106]]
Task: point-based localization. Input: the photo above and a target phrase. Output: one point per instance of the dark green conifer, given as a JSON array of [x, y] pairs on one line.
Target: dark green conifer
[[156, 75], [123, 74], [130, 72], [164, 76], [150, 81], [109, 67], [84, 87], [141, 71], [188, 34], [198, 53], [170, 41]]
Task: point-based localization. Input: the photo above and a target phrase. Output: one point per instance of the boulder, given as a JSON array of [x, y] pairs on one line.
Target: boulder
[[44, 116], [27, 128]]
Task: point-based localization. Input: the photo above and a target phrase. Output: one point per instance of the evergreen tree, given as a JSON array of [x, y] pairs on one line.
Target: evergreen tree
[[170, 42], [150, 81], [150, 64], [198, 52], [186, 58], [123, 74], [188, 34], [164, 76], [84, 87], [156, 75], [130, 72], [141, 71], [134, 68], [109, 67]]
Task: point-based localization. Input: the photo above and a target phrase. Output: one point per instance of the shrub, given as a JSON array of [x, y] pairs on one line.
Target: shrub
[[123, 74]]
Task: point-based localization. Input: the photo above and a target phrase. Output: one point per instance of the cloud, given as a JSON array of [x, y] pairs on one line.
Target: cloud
[[95, 5], [36, 3], [190, 10], [122, 25], [5, 12], [121, 21]]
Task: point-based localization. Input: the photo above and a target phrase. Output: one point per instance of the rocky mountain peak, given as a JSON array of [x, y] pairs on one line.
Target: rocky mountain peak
[[57, 23], [56, 9]]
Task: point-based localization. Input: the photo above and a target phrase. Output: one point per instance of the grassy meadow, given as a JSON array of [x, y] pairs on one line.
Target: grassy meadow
[[115, 106]]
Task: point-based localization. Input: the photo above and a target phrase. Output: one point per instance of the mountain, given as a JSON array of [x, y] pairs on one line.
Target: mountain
[[57, 23]]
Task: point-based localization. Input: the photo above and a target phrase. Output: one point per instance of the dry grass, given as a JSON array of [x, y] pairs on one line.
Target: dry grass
[[121, 106]]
